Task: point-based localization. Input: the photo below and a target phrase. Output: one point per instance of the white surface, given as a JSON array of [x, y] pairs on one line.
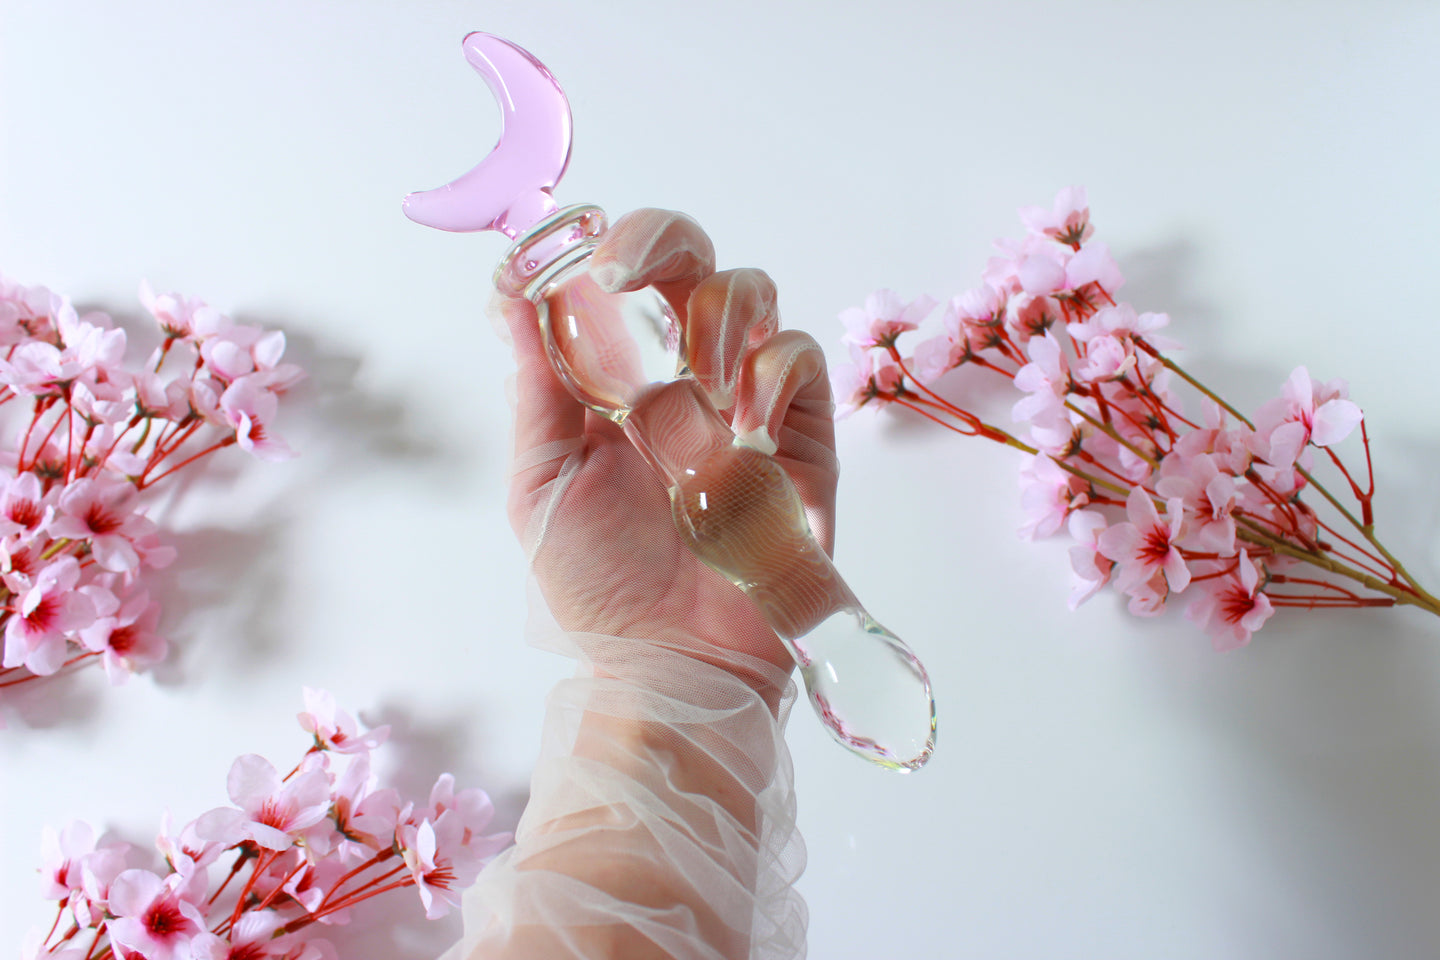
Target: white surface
[[1105, 787]]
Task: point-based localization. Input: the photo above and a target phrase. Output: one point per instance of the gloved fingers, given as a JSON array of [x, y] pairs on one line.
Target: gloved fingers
[[783, 407], [549, 423], [728, 311], [659, 248], [784, 382]]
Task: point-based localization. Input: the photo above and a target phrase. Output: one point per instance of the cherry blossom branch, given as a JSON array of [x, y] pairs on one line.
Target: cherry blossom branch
[[1157, 500]]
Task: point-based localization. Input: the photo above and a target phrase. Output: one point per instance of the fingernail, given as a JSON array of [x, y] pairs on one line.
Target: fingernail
[[612, 277]]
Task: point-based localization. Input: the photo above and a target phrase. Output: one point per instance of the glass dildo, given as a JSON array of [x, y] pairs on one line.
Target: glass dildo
[[622, 355]]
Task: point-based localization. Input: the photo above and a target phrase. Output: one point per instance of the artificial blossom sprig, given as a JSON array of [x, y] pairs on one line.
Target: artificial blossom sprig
[[262, 878], [93, 438], [1160, 501]]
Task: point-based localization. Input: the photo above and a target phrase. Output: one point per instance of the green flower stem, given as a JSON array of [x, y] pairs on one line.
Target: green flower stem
[[1417, 598]]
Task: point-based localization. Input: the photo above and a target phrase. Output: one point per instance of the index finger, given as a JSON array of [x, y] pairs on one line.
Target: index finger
[[660, 248]]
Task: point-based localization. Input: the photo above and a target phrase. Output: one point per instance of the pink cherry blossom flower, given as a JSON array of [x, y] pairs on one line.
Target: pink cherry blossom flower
[[1002, 273], [35, 635], [362, 821], [1047, 494], [1046, 378], [1233, 607], [180, 316], [151, 917], [1068, 219], [154, 396], [1147, 597], [1123, 322], [1093, 264], [935, 356], [1043, 273], [250, 408], [24, 509], [883, 318], [38, 368], [475, 811], [102, 510], [270, 811], [873, 375], [27, 312], [98, 870], [1306, 412], [333, 728], [1209, 497], [976, 318], [251, 938], [93, 344], [125, 637], [1106, 358], [1091, 567], [61, 856], [1145, 546], [186, 851], [1029, 316], [440, 862]]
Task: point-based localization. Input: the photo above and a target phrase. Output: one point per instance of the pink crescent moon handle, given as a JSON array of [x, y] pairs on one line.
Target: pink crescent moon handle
[[509, 190]]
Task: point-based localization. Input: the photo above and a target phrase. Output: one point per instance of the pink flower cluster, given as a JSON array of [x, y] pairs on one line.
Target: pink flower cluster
[[92, 436], [1160, 502], [304, 851]]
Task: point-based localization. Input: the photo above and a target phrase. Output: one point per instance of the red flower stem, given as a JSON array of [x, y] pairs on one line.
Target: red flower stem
[[1312, 582], [1369, 472], [1217, 574], [69, 442], [1368, 531], [234, 869], [121, 436], [351, 895], [919, 404], [1147, 397], [1363, 557], [934, 397], [262, 863], [362, 893], [280, 887], [59, 912], [1399, 592], [1282, 506], [40, 407], [376, 860], [980, 361], [95, 942], [35, 676], [143, 483], [53, 427], [164, 351], [167, 444], [1360, 496]]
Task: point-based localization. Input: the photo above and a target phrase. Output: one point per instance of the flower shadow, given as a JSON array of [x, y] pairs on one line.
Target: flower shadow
[[418, 751]]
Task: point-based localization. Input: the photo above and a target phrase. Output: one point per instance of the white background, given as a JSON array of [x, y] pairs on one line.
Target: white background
[[1105, 787]]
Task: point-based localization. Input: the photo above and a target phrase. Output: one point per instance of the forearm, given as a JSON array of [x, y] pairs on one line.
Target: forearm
[[661, 819]]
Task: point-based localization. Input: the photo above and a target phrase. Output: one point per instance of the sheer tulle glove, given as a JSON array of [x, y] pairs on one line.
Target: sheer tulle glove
[[661, 820]]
